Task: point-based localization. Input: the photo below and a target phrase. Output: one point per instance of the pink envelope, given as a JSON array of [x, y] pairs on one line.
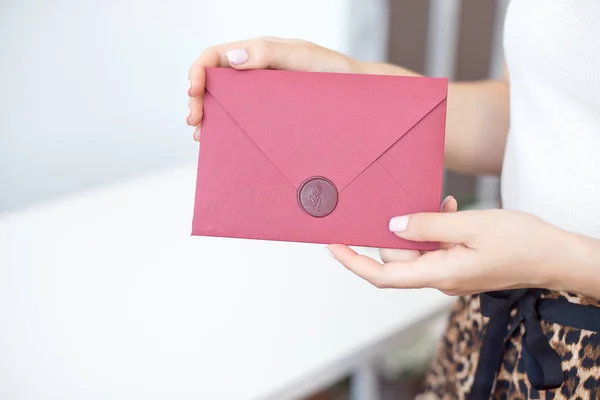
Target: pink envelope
[[318, 157]]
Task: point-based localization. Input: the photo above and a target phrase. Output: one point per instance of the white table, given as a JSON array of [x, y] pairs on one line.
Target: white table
[[105, 295]]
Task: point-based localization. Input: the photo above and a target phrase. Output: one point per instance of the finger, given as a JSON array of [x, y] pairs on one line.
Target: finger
[[457, 271], [281, 54], [391, 255], [441, 269], [260, 53], [363, 266], [421, 272], [211, 57], [424, 271], [249, 54], [197, 82], [449, 205], [195, 115], [457, 227], [435, 269]]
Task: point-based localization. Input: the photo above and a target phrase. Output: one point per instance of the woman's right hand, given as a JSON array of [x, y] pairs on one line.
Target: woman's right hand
[[262, 53]]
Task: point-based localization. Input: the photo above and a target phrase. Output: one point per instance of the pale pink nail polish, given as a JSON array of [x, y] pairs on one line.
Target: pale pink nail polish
[[237, 56], [398, 224], [197, 134]]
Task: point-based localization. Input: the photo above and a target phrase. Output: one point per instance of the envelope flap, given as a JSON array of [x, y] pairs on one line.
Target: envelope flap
[[323, 124]]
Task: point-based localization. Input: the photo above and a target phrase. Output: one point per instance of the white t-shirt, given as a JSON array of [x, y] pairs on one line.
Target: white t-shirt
[[552, 161]]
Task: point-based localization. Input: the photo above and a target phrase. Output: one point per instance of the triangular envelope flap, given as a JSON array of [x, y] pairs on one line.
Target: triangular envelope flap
[[323, 124], [416, 163]]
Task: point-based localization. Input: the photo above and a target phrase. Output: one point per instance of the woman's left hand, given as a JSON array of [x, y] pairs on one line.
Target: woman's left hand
[[482, 250]]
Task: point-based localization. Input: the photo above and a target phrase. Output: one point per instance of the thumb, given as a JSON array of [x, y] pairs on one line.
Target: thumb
[[432, 227], [272, 53]]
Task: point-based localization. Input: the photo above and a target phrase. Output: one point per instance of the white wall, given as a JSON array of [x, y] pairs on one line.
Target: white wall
[[95, 91]]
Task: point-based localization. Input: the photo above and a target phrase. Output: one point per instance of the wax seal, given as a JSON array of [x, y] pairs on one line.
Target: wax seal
[[317, 196]]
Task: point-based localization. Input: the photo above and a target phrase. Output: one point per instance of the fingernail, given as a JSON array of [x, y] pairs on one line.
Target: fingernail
[[189, 85], [399, 224], [197, 134], [237, 56], [446, 200]]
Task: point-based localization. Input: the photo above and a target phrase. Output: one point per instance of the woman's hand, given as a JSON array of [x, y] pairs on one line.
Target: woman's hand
[[449, 205], [273, 53], [482, 250]]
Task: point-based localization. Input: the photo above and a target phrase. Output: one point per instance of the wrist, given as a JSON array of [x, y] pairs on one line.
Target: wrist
[[577, 265]]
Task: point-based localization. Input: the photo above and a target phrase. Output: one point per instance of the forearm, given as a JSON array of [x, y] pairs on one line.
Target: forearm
[[579, 268], [477, 122], [477, 126]]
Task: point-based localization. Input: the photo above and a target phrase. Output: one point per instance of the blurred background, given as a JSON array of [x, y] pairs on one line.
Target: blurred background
[[94, 92]]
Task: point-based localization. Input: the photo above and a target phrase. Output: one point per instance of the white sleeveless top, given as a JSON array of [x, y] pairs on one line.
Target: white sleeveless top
[[552, 161]]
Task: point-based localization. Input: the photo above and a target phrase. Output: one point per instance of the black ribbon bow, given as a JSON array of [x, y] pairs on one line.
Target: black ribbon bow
[[542, 364]]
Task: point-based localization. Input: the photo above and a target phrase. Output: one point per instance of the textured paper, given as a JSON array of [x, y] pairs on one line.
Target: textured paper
[[379, 139]]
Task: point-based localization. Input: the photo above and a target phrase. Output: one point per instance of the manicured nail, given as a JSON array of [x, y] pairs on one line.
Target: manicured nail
[[237, 56], [399, 224], [197, 134], [446, 200]]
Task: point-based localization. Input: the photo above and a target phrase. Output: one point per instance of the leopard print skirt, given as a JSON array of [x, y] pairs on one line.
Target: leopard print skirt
[[452, 371]]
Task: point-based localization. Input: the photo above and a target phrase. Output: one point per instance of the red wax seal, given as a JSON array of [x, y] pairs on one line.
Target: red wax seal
[[317, 196]]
